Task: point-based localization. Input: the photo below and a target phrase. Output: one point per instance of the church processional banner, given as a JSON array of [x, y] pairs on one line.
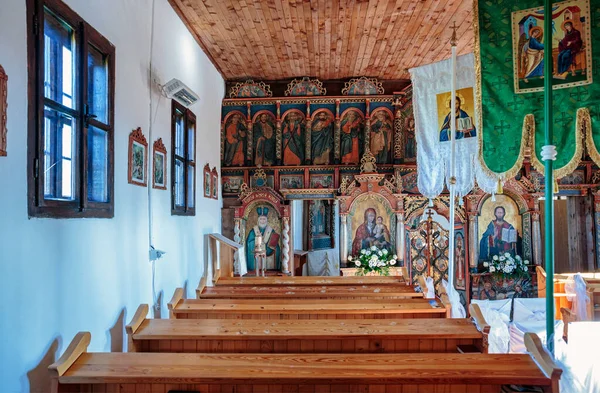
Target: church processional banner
[[432, 95], [509, 56]]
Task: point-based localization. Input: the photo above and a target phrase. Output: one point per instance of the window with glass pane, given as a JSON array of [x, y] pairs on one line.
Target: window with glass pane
[[184, 157], [71, 114]]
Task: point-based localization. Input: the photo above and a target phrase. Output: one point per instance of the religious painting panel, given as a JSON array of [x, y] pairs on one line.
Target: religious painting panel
[[250, 89], [410, 143], [409, 183], [372, 223], [293, 131], [264, 134], [571, 46], [305, 87], [159, 178], [362, 86], [460, 260], [234, 136], [464, 112], [291, 182], [263, 222], [321, 180], [574, 178], [137, 158], [352, 135], [320, 224], [268, 181], [500, 229], [231, 184], [321, 136], [487, 287], [207, 181], [381, 135], [214, 185]]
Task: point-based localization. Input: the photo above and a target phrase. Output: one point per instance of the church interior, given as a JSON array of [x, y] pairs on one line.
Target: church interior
[[301, 196]]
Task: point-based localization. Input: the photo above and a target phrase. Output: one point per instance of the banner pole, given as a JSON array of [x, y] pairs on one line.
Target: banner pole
[[452, 180], [549, 175]]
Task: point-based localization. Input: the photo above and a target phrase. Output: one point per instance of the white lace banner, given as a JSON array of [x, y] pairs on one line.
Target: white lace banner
[[431, 89]]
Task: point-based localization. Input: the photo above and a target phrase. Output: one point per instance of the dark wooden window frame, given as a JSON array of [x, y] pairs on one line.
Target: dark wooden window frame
[[80, 207], [188, 118]]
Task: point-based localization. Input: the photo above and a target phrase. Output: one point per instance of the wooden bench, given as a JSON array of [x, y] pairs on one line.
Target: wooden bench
[[310, 280], [79, 371], [592, 282], [311, 336], [305, 308], [309, 292]]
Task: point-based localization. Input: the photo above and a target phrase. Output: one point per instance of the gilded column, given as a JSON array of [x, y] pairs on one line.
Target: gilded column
[[278, 137], [597, 225], [307, 140], [367, 126], [337, 134], [250, 134], [343, 239], [238, 239], [536, 237], [400, 237], [285, 258], [473, 241]]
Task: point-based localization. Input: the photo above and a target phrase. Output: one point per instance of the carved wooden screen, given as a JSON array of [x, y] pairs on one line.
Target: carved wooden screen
[[429, 251]]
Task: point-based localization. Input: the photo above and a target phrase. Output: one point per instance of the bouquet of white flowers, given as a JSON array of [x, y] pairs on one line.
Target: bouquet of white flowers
[[373, 259], [504, 265]]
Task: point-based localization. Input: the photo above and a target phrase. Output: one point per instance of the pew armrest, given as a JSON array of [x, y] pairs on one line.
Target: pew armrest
[[177, 296], [137, 319], [567, 316], [404, 272], [78, 345], [201, 286], [478, 319], [543, 359], [422, 284], [481, 325]]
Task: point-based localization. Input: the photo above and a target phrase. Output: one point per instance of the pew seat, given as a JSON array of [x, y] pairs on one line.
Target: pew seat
[[311, 336], [309, 292], [79, 371], [305, 308], [311, 280]]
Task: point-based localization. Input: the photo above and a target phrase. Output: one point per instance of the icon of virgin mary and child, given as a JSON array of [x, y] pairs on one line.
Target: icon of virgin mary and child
[[270, 239], [372, 232]]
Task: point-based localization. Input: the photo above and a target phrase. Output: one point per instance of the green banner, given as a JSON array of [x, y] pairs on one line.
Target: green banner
[[509, 63]]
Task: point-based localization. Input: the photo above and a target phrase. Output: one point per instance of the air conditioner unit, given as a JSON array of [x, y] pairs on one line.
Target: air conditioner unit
[[178, 91]]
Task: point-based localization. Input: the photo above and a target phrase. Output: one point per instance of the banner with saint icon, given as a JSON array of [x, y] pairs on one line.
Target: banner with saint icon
[[431, 94], [509, 55]]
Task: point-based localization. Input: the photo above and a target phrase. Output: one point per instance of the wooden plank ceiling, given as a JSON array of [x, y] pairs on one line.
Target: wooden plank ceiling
[[327, 39]]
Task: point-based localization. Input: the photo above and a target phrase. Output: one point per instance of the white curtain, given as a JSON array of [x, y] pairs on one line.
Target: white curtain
[[432, 155]]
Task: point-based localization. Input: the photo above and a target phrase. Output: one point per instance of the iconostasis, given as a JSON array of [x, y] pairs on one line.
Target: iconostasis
[[307, 145]]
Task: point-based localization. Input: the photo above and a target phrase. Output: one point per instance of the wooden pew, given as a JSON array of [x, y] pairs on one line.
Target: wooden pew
[[309, 292], [592, 282], [79, 371], [311, 336], [305, 308], [312, 280]]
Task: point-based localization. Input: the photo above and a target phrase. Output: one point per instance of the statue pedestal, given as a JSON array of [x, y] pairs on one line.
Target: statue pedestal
[[351, 271]]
